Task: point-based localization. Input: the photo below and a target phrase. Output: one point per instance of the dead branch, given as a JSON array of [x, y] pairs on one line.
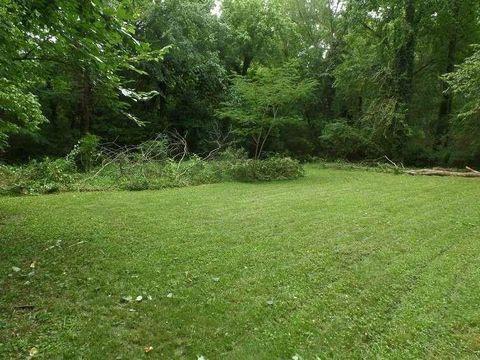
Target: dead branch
[[219, 139], [390, 161], [179, 143]]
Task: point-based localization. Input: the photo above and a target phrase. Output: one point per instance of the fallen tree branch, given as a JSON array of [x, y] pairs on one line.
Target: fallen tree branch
[[444, 172], [472, 170]]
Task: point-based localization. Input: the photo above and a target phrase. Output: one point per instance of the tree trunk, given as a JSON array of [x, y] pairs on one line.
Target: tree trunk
[[86, 104], [360, 107], [405, 60], [445, 110], [329, 96], [52, 105], [247, 61]]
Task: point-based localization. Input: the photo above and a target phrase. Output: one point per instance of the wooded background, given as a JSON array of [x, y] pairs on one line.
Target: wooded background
[[355, 79]]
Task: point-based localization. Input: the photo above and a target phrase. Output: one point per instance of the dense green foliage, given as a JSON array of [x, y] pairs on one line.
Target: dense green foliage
[[274, 168], [339, 79], [324, 267]]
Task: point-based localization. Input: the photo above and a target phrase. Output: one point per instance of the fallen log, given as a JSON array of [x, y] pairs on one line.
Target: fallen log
[[445, 172]]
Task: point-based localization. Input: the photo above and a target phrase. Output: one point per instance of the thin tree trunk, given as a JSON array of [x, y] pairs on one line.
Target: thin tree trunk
[[52, 104], [257, 144], [268, 132], [86, 104], [360, 107]]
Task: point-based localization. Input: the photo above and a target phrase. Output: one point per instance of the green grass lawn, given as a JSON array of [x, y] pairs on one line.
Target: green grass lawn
[[337, 265]]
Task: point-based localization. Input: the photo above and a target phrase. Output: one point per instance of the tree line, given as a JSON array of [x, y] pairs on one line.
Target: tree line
[[310, 78]]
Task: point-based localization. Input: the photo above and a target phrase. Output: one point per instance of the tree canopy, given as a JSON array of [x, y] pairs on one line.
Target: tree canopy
[[382, 77]]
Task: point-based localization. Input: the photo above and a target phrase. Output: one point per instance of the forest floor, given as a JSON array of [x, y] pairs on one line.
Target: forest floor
[[340, 264]]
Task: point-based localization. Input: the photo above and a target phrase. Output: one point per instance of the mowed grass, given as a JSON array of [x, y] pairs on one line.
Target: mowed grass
[[337, 265]]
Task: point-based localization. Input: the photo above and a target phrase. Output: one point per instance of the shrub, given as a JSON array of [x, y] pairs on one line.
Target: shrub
[[48, 170], [233, 155], [198, 171], [8, 178], [464, 144], [38, 177], [85, 152], [135, 184], [343, 141], [420, 155], [274, 168], [299, 147]]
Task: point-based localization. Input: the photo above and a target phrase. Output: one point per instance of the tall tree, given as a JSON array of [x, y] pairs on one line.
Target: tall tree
[[74, 49], [257, 30]]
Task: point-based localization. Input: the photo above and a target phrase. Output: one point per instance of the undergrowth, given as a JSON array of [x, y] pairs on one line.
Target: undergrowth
[[152, 165]]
